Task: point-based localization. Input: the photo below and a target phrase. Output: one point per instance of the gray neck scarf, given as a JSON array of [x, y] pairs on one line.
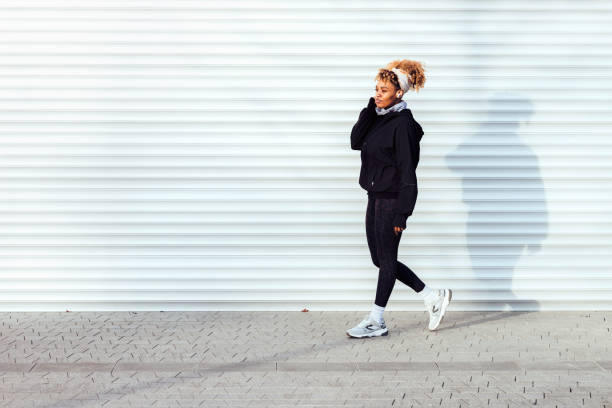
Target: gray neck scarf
[[395, 108]]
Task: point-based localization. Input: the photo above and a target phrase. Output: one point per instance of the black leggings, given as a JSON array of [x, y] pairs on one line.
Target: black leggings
[[383, 244]]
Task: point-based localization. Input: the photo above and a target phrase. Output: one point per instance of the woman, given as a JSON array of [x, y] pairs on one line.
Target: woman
[[388, 137]]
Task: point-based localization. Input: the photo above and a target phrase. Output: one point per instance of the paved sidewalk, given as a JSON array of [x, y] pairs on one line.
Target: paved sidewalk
[[289, 359]]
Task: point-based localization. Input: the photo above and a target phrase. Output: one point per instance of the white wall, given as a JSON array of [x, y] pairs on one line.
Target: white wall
[[195, 155]]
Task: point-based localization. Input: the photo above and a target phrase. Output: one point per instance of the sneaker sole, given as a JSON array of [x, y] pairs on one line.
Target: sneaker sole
[[445, 304], [373, 334]]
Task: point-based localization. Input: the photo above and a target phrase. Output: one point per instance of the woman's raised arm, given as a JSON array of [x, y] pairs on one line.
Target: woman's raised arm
[[360, 129]]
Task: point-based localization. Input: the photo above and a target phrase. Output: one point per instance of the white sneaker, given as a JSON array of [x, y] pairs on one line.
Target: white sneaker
[[437, 307], [368, 328]]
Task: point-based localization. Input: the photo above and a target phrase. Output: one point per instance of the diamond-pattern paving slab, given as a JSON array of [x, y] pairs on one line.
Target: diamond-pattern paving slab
[[304, 359]]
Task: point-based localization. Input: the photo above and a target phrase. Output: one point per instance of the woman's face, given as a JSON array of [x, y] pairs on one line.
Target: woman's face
[[385, 94]]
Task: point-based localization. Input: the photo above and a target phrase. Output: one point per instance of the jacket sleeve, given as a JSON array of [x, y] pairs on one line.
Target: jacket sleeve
[[405, 140], [361, 127]]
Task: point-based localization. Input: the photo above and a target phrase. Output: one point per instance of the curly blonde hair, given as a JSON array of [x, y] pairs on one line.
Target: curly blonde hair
[[413, 69]]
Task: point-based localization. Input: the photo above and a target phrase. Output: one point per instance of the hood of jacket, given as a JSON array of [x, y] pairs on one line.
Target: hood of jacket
[[404, 113]]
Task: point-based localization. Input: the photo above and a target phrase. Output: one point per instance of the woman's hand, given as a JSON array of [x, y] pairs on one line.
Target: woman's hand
[[399, 223], [371, 103]]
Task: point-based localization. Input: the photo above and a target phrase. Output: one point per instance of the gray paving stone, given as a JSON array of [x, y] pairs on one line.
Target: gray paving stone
[[289, 359]]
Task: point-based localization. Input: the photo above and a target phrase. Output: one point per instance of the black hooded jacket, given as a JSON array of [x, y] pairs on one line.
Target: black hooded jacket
[[390, 150]]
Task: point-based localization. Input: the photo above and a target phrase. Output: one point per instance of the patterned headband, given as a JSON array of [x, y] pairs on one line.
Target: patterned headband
[[403, 80]]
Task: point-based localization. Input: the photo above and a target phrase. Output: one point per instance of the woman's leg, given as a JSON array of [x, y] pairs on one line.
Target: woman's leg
[[405, 275], [370, 221], [387, 244], [402, 272]]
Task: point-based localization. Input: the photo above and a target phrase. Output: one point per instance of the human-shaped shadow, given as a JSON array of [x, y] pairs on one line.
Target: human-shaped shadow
[[502, 188]]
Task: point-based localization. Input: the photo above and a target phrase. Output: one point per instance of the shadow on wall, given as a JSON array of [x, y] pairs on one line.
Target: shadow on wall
[[506, 200]]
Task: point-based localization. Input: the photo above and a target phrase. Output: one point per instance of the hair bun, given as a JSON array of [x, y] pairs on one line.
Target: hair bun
[[413, 70]]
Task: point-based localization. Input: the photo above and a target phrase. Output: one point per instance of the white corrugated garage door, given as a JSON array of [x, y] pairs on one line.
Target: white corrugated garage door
[[195, 155]]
